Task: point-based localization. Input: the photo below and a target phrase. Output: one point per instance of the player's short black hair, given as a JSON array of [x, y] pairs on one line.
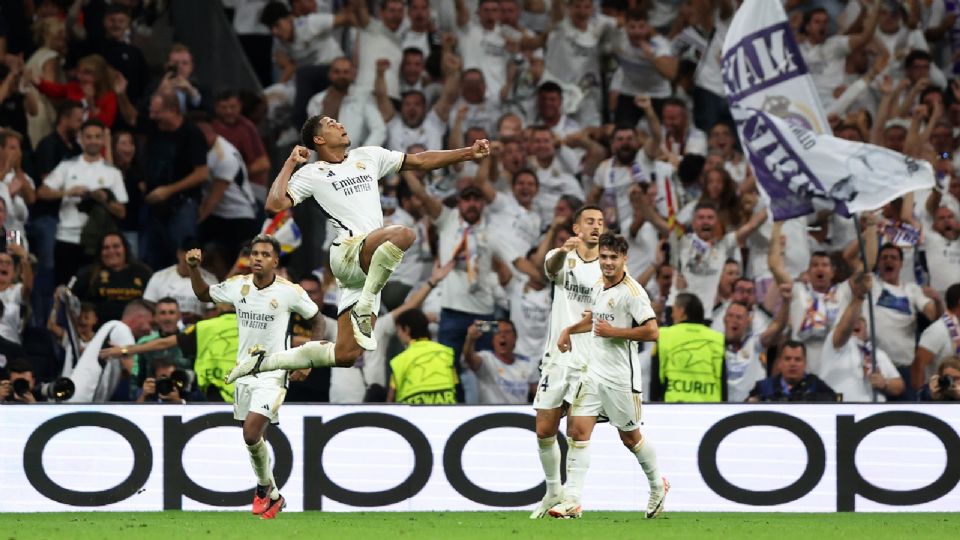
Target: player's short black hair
[[915, 55], [809, 15], [952, 296], [894, 247], [227, 93], [677, 102], [706, 205], [309, 131], [584, 208], [690, 168], [637, 14], [267, 239], [273, 12], [691, 306], [415, 322], [19, 365], [413, 50], [613, 242]]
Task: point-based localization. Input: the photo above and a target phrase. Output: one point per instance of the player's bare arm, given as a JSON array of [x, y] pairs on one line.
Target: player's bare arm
[[555, 262], [436, 159], [277, 198], [200, 288], [581, 327], [648, 331]]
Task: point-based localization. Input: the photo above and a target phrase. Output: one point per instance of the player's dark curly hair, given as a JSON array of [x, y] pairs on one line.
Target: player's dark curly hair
[[267, 239], [309, 131], [613, 242]]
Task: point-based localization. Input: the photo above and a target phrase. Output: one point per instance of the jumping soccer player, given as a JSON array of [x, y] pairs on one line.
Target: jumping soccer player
[[574, 271], [263, 301], [365, 252], [621, 316]]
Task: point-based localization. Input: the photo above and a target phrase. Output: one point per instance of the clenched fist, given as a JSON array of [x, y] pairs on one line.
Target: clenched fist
[[194, 257]]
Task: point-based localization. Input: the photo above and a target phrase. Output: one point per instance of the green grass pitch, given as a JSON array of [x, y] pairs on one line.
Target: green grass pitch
[[475, 525]]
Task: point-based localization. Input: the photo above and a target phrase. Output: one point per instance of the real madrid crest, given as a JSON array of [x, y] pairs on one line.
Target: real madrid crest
[[244, 290], [274, 304], [571, 263], [610, 303], [361, 166]]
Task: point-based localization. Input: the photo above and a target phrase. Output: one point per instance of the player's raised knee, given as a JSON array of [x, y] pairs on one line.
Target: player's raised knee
[[403, 237], [347, 356]]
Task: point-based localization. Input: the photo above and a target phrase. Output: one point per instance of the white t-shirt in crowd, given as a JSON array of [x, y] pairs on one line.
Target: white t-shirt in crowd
[[11, 298], [844, 369], [376, 42], [93, 175], [701, 264], [479, 115], [226, 163], [95, 383], [895, 316], [943, 260], [694, 142], [636, 74], [573, 55], [812, 316], [486, 50], [348, 192], [469, 287], [313, 40], [796, 256], [263, 316], [641, 248], [937, 339], [745, 367], [573, 293], [168, 282], [826, 63], [616, 361], [530, 314], [616, 179], [429, 134], [515, 227], [417, 259], [554, 183], [501, 383]]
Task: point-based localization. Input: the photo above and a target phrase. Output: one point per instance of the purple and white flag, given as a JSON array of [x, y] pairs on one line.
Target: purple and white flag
[[799, 166]]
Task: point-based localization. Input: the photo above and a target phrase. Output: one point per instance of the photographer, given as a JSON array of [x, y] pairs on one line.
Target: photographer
[[14, 294], [21, 387], [502, 375], [945, 385], [168, 385]]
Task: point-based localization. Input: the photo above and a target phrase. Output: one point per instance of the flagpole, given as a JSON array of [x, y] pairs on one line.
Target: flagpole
[[870, 320]]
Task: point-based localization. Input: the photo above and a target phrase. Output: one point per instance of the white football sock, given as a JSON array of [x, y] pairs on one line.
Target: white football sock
[[385, 259], [647, 457], [309, 355], [550, 460], [260, 460], [578, 461]]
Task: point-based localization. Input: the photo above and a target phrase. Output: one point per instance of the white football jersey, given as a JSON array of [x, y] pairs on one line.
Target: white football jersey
[[616, 361], [348, 191], [573, 293], [263, 316]]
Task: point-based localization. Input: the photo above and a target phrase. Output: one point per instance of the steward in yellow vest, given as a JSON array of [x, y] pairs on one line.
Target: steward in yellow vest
[[688, 361], [423, 374]]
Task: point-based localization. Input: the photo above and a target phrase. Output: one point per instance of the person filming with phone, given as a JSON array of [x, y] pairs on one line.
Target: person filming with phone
[[503, 376]]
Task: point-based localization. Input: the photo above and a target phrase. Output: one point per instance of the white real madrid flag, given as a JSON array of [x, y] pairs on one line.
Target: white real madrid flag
[[800, 167]]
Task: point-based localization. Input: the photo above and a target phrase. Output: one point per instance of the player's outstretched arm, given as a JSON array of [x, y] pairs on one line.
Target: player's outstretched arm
[[436, 159], [277, 198], [200, 287]]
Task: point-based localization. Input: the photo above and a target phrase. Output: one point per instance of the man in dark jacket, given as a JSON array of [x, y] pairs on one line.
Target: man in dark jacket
[[793, 383]]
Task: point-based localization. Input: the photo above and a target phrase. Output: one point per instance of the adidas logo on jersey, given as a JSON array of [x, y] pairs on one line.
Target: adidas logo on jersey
[[265, 407], [331, 173], [243, 300]]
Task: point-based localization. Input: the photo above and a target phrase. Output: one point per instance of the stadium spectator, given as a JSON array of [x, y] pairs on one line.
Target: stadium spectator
[[688, 362], [113, 280], [615, 177], [167, 384], [123, 56], [345, 100], [92, 197], [84, 323], [16, 282], [26, 390], [745, 352], [503, 376], [646, 68], [175, 168], [848, 363], [424, 373], [126, 160], [174, 282], [937, 388], [939, 341], [50, 34], [238, 130], [93, 88], [794, 382], [166, 318], [18, 190], [96, 379], [554, 179], [179, 80]]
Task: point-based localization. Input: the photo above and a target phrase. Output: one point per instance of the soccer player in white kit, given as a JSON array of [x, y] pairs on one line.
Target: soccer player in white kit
[[574, 271], [365, 252], [263, 301], [620, 317]]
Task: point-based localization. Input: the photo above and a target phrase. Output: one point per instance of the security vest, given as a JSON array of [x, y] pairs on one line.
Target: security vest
[[691, 363], [424, 374], [217, 343]]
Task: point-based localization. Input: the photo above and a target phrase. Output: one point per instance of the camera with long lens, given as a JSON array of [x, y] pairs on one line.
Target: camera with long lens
[[946, 383], [178, 379], [61, 389]]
